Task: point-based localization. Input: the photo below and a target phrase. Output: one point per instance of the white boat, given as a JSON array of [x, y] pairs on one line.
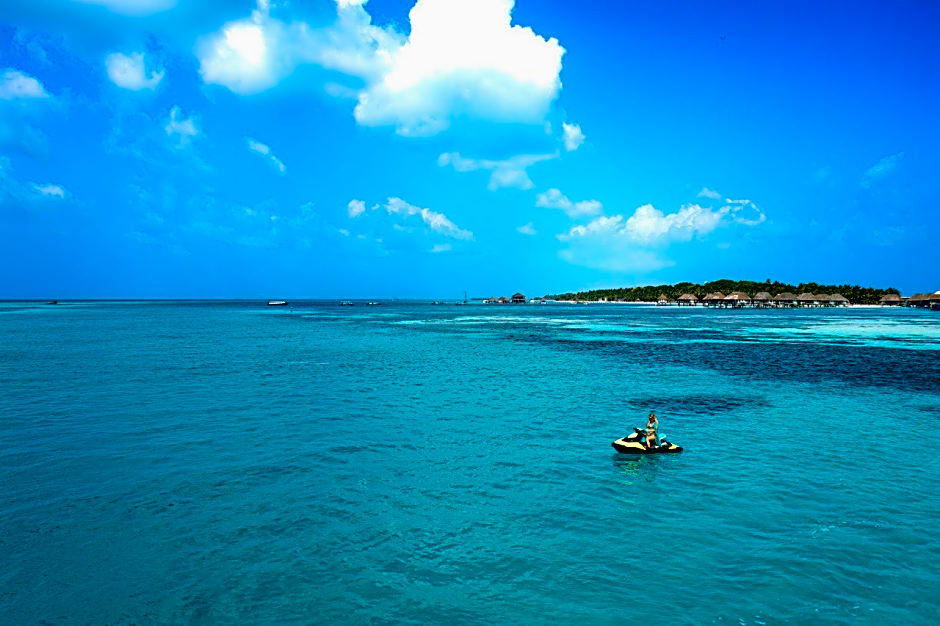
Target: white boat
[[277, 302]]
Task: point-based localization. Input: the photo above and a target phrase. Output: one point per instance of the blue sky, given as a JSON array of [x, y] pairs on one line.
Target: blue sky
[[334, 148]]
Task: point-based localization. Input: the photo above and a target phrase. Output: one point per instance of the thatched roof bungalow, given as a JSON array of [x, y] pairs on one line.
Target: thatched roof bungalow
[[663, 299], [762, 299], [518, 298], [806, 299], [837, 299], [890, 299], [737, 298], [822, 299], [687, 299], [713, 298], [786, 299]]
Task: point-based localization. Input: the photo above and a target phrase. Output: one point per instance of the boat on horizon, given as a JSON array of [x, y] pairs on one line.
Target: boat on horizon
[[347, 303], [277, 302]]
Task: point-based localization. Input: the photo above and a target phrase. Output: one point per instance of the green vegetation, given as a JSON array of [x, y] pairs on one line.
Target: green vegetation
[[650, 293]]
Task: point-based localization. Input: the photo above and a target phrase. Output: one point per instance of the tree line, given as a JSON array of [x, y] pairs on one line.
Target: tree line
[[650, 293]]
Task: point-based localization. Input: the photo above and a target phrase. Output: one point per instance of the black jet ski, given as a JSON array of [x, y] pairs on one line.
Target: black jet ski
[[632, 444]]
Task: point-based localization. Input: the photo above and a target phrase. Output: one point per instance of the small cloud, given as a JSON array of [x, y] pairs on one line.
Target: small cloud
[[573, 137], [15, 85], [510, 172], [355, 208], [262, 149], [881, 169], [49, 190], [437, 222], [440, 247], [129, 71], [554, 199], [343, 232], [526, 229], [709, 193], [184, 129]]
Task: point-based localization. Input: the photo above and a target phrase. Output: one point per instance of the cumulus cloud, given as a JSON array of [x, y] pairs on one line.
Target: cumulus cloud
[[881, 169], [262, 149], [629, 243], [48, 190], [648, 225], [355, 208], [461, 58], [16, 85], [526, 229], [554, 199], [709, 193], [438, 222], [183, 129], [510, 172], [129, 71], [572, 136]]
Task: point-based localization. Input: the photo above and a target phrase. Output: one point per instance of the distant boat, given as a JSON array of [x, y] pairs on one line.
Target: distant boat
[[437, 302], [374, 303], [277, 302], [53, 302], [346, 303]]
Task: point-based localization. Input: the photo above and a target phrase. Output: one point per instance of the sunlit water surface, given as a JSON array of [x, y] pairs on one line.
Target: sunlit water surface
[[234, 463]]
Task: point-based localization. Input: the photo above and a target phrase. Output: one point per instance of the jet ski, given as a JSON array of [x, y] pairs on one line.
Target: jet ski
[[632, 444]]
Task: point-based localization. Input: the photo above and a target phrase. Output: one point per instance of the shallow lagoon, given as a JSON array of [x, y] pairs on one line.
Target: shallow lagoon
[[210, 462]]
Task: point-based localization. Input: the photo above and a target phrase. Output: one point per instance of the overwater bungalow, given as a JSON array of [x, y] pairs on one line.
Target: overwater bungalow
[[822, 299], [786, 299], [737, 299], [837, 299], [662, 300], [687, 299], [890, 299], [714, 299], [518, 298], [502, 300], [806, 299], [762, 299]]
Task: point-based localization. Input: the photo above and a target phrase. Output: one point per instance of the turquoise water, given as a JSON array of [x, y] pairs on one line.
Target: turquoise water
[[233, 463]]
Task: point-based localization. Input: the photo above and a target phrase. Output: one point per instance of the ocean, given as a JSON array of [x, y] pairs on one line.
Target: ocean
[[229, 462]]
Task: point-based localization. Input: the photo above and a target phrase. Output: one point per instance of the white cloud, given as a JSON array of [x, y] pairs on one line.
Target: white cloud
[[437, 222], [618, 243], [572, 135], [461, 58], [132, 7], [262, 149], [554, 199], [356, 208], [343, 232], [709, 193], [49, 190], [649, 225], [129, 71], [510, 172], [526, 229], [15, 85], [184, 129], [881, 169], [441, 247]]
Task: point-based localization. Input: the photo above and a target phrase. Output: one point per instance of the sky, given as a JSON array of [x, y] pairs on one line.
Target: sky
[[427, 148]]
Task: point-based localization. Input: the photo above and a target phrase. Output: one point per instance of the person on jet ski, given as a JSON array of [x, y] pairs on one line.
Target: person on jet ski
[[652, 431]]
